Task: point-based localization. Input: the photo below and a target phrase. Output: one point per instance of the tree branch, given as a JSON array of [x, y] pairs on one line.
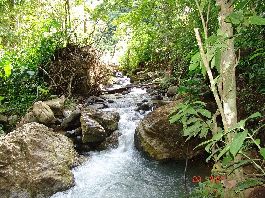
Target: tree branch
[[210, 75]]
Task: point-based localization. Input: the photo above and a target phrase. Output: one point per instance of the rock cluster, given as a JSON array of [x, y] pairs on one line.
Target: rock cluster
[[88, 127]]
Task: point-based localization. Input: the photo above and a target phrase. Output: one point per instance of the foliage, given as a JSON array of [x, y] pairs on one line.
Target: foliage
[[160, 33], [194, 118]]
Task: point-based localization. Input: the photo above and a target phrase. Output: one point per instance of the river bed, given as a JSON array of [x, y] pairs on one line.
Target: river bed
[[126, 173]]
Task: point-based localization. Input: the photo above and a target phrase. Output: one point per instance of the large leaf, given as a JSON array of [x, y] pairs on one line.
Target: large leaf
[[195, 61], [236, 17], [256, 20], [238, 142]]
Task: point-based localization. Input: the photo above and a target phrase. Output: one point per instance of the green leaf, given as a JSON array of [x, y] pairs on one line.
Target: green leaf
[[262, 152], [238, 141], [175, 118], [256, 55], [209, 146], [205, 113], [203, 3], [255, 115], [217, 136], [226, 160], [192, 120], [257, 141], [200, 102], [217, 59], [204, 131], [256, 20], [225, 149], [239, 5], [7, 69], [196, 127], [2, 98], [247, 184], [195, 60], [235, 17]]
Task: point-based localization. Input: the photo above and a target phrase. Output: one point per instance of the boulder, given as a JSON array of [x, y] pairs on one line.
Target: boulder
[[43, 113], [72, 121], [92, 131], [107, 119], [56, 105], [35, 162], [172, 91], [161, 140]]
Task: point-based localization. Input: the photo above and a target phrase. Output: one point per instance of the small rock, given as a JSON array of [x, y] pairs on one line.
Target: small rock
[[72, 121], [142, 112], [43, 113], [3, 119], [56, 105], [108, 119], [92, 131], [157, 97], [144, 100], [28, 118], [111, 101], [90, 101], [12, 120], [172, 91], [67, 113], [145, 107]]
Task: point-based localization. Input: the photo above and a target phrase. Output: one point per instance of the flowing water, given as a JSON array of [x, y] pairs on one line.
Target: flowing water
[[124, 172]]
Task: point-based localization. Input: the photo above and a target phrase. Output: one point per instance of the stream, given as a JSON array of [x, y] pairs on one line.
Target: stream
[[124, 172]]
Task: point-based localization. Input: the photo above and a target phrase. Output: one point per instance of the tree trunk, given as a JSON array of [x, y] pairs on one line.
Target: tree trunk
[[228, 63], [228, 77]]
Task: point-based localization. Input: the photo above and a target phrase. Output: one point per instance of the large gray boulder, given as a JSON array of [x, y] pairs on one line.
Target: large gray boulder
[[35, 162], [161, 140]]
